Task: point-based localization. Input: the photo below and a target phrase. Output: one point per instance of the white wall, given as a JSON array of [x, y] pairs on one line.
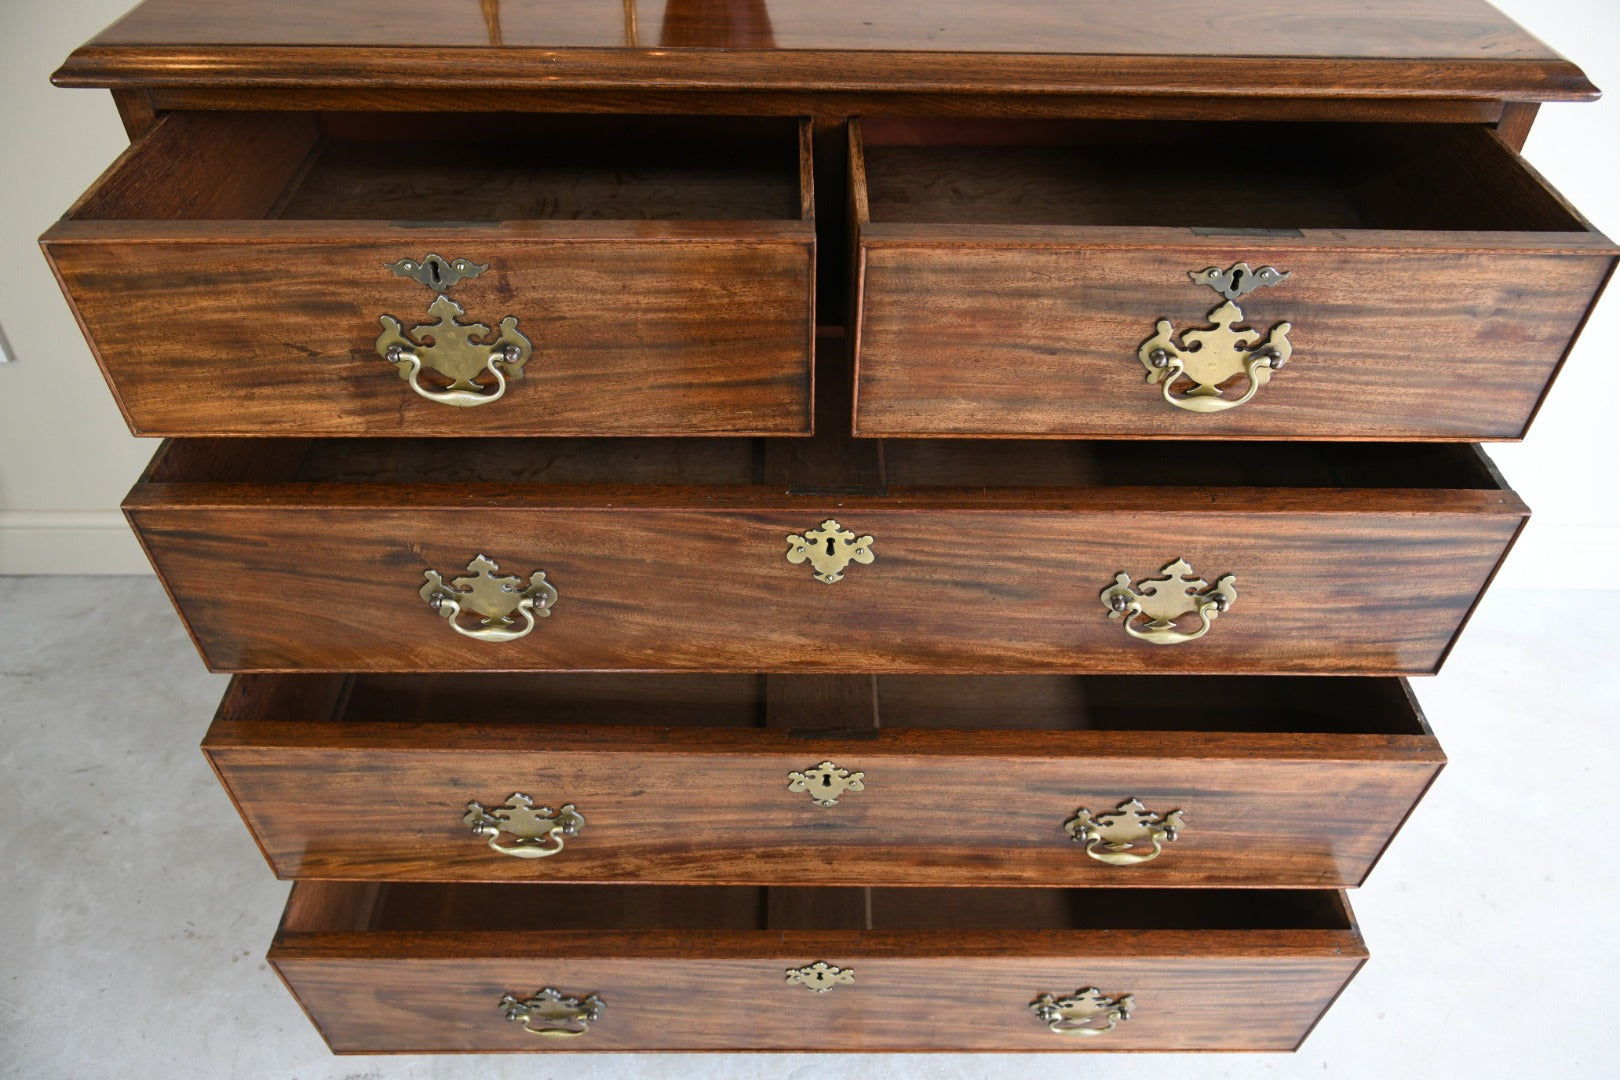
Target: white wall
[[1562, 467], [66, 458]]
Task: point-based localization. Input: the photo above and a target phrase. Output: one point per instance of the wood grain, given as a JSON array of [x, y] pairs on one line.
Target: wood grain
[[1306, 48], [824, 106], [936, 976], [661, 249], [1416, 314], [268, 326], [1363, 572], [675, 791]]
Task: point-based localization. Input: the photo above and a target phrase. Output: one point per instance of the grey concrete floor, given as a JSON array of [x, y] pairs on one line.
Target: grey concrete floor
[[135, 910]]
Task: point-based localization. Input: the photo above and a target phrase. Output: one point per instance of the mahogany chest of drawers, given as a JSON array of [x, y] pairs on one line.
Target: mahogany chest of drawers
[[809, 504]]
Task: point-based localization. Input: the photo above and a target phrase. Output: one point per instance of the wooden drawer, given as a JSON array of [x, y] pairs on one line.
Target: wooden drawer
[[1013, 278], [690, 779], [990, 557], [231, 271], [413, 967]]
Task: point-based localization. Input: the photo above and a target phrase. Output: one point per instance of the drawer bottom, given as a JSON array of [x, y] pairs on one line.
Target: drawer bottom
[[528, 967]]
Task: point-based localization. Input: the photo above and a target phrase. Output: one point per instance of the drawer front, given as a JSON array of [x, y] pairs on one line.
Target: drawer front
[[339, 588], [940, 1002], [330, 793], [1371, 282], [326, 292], [1390, 338], [692, 334], [446, 981]]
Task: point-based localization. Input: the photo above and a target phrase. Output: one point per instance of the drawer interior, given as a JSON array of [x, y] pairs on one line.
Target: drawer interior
[[1225, 703], [454, 169], [423, 907], [906, 463], [1217, 176]]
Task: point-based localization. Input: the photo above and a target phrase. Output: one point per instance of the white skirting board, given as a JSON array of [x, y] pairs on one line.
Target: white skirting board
[[100, 542], [69, 542]]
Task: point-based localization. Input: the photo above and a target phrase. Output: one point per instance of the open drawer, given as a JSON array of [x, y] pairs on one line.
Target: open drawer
[[969, 556], [1124, 279], [429, 968], [270, 274], [803, 780]]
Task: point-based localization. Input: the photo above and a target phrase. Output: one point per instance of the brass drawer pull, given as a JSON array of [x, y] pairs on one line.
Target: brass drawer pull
[[1084, 1013], [830, 549], [820, 977], [1118, 837], [496, 599], [1151, 607], [536, 831], [1213, 355], [559, 1015], [446, 345], [826, 782]]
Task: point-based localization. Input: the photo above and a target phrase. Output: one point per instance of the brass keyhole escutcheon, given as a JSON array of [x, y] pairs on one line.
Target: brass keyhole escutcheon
[[829, 549], [820, 977], [824, 783]]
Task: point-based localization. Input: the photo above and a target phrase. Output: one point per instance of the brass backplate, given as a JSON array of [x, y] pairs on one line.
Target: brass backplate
[[1152, 607], [1194, 366], [1087, 1011], [1127, 835], [550, 1013]]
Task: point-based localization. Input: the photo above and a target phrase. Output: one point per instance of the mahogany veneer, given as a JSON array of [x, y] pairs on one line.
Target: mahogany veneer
[[663, 272], [422, 968], [986, 208], [990, 557], [683, 779], [1007, 275]]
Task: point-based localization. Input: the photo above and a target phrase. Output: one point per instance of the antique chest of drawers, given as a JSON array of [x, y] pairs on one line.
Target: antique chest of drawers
[[785, 500]]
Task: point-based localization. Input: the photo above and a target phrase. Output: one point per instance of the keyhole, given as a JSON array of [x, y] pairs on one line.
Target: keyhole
[[830, 550], [433, 268], [1237, 281], [826, 781]]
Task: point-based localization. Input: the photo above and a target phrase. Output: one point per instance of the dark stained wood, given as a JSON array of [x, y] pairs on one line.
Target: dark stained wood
[[135, 110], [642, 322], [822, 704], [829, 106], [201, 167], [1010, 273], [1302, 48], [943, 970], [1517, 119], [990, 556], [683, 779], [661, 246]]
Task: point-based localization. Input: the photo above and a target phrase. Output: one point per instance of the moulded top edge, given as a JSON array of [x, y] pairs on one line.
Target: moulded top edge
[[1294, 48]]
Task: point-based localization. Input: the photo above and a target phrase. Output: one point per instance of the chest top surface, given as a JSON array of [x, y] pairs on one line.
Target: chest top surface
[[1459, 49]]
